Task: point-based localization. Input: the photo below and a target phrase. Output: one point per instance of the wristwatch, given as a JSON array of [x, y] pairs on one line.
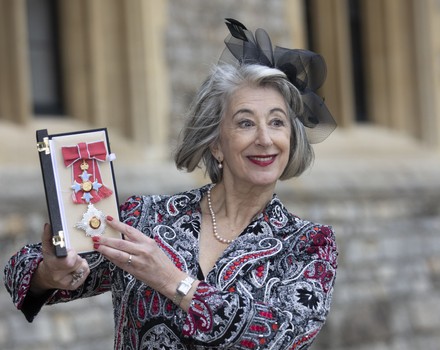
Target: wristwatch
[[183, 289]]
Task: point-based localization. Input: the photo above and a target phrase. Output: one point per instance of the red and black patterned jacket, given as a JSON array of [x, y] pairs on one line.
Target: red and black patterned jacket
[[271, 288]]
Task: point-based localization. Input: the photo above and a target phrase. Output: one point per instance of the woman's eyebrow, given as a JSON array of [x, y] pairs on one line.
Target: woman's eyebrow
[[247, 110], [278, 109], [242, 111]]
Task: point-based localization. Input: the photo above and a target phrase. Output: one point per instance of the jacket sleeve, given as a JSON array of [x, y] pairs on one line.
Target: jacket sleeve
[[266, 308], [22, 266]]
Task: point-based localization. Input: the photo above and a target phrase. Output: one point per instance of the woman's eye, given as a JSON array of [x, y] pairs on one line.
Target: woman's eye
[[278, 122], [245, 123]]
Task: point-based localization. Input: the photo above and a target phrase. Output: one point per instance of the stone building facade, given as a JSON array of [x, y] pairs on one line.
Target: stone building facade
[[133, 66]]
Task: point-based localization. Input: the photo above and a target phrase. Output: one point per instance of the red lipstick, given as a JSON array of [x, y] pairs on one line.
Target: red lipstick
[[262, 160]]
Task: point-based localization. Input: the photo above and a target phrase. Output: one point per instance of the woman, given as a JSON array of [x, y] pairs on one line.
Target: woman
[[225, 265]]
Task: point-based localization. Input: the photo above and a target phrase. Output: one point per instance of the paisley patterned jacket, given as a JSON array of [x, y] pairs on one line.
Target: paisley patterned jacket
[[271, 288]]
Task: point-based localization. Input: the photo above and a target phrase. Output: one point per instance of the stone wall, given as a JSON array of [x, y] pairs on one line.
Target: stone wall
[[384, 206], [191, 52]]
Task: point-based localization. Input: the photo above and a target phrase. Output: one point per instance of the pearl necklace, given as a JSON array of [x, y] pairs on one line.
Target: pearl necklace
[[214, 222]]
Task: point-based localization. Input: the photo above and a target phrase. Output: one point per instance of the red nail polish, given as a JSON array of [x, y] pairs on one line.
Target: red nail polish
[[109, 218], [95, 239], [95, 246]]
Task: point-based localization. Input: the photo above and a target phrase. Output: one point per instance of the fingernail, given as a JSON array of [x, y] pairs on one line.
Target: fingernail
[[96, 239], [109, 218], [95, 246]]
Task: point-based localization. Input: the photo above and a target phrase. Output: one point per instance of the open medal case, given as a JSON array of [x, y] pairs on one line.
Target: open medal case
[[80, 187]]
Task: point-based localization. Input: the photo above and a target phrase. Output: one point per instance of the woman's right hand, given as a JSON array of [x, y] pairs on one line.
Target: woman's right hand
[[66, 273]]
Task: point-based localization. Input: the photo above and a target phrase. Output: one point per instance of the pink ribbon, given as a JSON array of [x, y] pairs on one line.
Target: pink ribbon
[[87, 181]]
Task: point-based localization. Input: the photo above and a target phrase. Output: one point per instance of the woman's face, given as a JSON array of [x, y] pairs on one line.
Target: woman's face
[[254, 142]]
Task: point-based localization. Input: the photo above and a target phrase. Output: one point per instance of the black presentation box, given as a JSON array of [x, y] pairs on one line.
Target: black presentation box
[[80, 187]]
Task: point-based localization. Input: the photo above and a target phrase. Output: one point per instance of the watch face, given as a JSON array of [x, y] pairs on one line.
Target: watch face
[[184, 286]]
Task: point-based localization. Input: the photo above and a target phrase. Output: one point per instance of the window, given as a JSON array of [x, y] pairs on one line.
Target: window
[[44, 57]]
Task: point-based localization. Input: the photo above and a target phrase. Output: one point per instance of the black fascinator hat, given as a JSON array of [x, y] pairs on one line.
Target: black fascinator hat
[[306, 70]]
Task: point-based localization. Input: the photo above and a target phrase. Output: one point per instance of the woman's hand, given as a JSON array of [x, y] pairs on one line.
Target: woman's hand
[[140, 256], [66, 273]]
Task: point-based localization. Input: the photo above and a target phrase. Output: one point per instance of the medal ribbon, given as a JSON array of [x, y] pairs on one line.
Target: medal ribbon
[[83, 158]]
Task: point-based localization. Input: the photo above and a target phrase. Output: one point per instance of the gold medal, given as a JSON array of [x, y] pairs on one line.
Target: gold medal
[[87, 186], [95, 222]]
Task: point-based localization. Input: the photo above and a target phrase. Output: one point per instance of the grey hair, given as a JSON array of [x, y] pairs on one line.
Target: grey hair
[[202, 127]]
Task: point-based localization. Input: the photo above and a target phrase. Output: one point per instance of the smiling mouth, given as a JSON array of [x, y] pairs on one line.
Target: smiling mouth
[[262, 161]]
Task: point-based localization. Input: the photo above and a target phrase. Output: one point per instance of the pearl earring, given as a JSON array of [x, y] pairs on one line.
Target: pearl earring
[[220, 165]]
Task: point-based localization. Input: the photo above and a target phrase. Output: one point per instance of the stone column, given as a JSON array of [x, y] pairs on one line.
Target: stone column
[[427, 48], [392, 31], [331, 36], [75, 63], [15, 102], [400, 57], [296, 21], [147, 74], [375, 70]]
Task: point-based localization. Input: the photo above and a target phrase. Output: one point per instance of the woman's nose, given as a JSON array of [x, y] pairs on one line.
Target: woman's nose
[[263, 137]]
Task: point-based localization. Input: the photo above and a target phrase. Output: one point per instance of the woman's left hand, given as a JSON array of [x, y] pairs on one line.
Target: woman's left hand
[[140, 256]]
